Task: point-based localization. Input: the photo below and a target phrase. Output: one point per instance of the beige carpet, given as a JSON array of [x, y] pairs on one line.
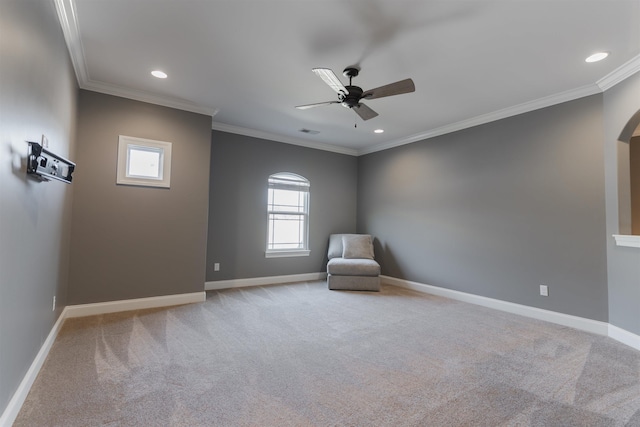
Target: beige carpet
[[301, 355]]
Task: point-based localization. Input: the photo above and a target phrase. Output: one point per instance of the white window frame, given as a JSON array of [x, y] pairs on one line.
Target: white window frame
[[298, 183], [163, 148]]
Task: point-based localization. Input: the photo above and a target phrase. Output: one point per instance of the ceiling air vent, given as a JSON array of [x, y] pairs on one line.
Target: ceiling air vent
[[309, 131]]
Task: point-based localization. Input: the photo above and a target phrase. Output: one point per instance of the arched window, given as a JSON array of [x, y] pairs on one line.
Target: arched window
[[288, 215]]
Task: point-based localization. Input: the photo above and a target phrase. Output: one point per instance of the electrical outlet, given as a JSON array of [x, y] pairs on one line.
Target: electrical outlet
[[544, 290], [53, 308], [216, 266]]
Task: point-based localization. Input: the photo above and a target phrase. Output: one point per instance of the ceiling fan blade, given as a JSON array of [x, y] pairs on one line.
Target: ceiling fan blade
[[331, 79], [397, 88], [319, 104], [364, 112]]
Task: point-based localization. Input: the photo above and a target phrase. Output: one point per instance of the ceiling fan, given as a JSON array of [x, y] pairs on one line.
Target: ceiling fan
[[350, 96]]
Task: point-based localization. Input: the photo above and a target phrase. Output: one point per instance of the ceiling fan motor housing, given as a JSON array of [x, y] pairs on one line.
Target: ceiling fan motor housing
[[352, 99]]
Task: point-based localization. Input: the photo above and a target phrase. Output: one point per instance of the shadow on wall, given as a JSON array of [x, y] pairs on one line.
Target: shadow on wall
[[388, 263], [19, 159], [19, 162], [325, 260]]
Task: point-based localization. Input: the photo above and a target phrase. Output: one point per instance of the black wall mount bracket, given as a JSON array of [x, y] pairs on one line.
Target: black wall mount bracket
[[45, 166]]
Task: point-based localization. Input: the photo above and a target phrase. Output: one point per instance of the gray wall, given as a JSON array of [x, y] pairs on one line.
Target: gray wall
[[240, 167], [37, 96], [133, 242], [621, 102], [497, 210]]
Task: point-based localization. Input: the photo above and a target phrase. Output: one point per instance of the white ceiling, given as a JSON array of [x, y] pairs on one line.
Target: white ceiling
[[248, 62]]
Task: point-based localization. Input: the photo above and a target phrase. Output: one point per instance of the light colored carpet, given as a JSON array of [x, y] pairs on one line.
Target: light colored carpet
[[301, 355]]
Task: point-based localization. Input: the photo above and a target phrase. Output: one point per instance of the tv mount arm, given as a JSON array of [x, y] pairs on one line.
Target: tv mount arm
[[44, 165]]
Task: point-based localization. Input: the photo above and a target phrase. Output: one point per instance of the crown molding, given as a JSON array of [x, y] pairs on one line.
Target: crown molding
[[525, 107], [139, 95], [69, 23], [222, 127], [68, 18], [621, 73], [618, 75]]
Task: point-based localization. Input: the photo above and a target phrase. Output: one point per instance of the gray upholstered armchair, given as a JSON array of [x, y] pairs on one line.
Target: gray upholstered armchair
[[351, 265]]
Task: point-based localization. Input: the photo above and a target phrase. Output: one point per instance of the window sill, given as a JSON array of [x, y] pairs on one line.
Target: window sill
[[628, 241], [286, 254]]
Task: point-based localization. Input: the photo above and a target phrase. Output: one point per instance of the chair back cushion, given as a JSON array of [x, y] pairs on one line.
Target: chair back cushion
[[358, 246], [335, 246]]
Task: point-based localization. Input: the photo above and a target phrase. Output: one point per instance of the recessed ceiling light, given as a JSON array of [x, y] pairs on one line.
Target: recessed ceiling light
[[159, 74], [378, 131], [599, 56]]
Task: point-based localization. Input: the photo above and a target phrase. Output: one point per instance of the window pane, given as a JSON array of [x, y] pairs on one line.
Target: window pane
[[296, 182], [286, 231], [144, 163], [286, 200]]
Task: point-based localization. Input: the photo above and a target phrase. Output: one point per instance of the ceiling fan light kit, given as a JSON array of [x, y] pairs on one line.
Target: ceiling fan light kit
[[350, 96]]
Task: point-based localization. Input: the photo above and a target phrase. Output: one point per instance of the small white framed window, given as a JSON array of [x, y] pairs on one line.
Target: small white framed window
[[143, 162], [287, 215]]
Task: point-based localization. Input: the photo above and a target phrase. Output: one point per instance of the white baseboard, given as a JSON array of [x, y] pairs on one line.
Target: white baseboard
[[259, 281], [589, 325], [13, 408], [625, 337], [82, 310]]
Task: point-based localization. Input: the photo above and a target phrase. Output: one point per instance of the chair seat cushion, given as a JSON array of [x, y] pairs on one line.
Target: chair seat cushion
[[353, 267]]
